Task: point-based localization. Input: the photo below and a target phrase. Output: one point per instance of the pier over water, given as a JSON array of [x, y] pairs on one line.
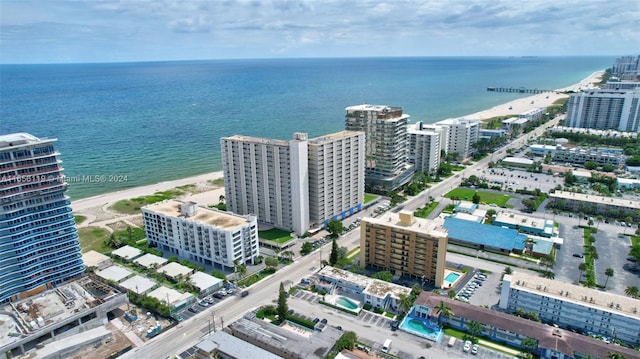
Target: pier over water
[[518, 90]]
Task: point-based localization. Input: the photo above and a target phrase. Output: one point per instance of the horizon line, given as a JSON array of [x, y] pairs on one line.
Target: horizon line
[[306, 58]]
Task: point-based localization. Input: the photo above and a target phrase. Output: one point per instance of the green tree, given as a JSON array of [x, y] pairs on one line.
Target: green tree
[[581, 268], [333, 257], [475, 329], [451, 293], [529, 344], [443, 310], [288, 255], [334, 227], [346, 341], [632, 292], [476, 198], [609, 273], [283, 309], [307, 248], [406, 302], [549, 275], [590, 165], [508, 270], [383, 275], [615, 355], [271, 263]]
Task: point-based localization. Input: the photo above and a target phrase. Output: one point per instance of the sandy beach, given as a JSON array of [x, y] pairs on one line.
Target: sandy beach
[[521, 105], [210, 193]]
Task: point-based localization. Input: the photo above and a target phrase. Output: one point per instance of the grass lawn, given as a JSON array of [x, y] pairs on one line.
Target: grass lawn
[[93, 238], [486, 197], [369, 197], [425, 211], [498, 346], [133, 205], [276, 235], [80, 219]]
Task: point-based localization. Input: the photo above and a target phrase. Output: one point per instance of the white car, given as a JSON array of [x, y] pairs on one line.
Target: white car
[[467, 346], [474, 349]]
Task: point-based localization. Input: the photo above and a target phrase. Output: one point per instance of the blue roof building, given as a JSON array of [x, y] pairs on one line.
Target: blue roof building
[[482, 236]]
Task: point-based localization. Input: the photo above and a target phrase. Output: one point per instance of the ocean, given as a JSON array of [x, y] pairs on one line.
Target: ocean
[[144, 123]]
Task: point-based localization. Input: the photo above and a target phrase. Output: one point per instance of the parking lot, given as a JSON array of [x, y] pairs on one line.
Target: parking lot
[[513, 179], [613, 250], [203, 303]]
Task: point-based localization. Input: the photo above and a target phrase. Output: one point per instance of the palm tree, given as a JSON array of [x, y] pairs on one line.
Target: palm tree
[[443, 310], [615, 355], [632, 291], [406, 302], [288, 255], [609, 273], [549, 275], [581, 267]]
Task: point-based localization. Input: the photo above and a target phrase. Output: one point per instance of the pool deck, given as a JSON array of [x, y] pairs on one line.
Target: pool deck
[[450, 285]]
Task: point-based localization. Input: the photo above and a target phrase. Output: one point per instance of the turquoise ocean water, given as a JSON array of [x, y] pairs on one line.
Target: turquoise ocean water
[[159, 121]]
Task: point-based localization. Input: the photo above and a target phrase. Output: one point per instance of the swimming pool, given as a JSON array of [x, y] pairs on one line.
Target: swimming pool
[[421, 327], [346, 303], [452, 277]]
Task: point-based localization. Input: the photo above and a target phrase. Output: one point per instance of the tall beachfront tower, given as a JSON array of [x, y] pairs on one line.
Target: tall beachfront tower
[[386, 163], [39, 245], [405, 245], [203, 235], [336, 176], [268, 178], [462, 134], [605, 110]]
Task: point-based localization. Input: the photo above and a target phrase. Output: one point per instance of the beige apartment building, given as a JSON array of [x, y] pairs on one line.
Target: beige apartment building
[[405, 245]]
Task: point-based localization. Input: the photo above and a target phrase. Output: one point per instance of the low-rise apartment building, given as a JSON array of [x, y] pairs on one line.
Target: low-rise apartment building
[[201, 234], [592, 204], [405, 245], [580, 155], [567, 305]]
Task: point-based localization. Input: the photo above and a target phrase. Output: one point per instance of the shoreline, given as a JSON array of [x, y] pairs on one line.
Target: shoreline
[[517, 106]]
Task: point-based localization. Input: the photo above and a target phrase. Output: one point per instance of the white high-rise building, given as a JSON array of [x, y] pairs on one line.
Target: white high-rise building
[[462, 134], [425, 143], [268, 178], [297, 184], [605, 110], [387, 166], [200, 234], [336, 176]]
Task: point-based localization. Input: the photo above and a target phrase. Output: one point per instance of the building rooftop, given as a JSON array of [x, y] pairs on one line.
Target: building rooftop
[[518, 161], [114, 273], [127, 252], [139, 284], [514, 219], [260, 140], [611, 201], [58, 304], [149, 259], [459, 121], [95, 259], [20, 139], [466, 206], [166, 294], [406, 221], [580, 173], [203, 281], [345, 276], [584, 296], [483, 234], [542, 245], [207, 216], [334, 136], [381, 289], [233, 347], [174, 269], [468, 217]]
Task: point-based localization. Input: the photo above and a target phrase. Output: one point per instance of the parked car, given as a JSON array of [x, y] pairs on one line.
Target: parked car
[[474, 349], [578, 255], [467, 346]]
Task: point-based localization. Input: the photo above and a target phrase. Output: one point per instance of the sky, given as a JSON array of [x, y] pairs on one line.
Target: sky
[[72, 31]]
